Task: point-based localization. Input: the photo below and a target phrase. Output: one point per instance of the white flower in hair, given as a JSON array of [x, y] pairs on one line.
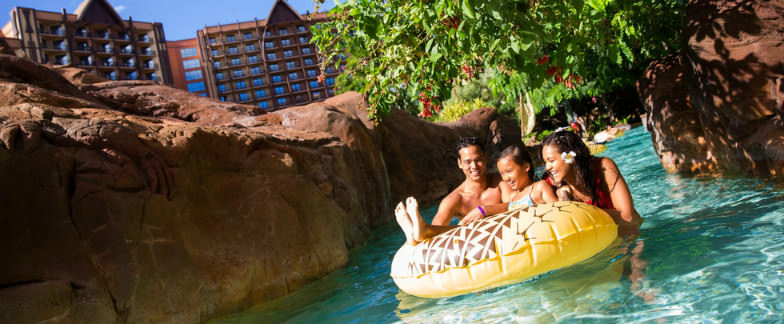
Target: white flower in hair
[[568, 157]]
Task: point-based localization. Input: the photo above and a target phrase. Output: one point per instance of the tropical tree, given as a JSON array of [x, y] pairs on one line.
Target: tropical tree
[[552, 50]]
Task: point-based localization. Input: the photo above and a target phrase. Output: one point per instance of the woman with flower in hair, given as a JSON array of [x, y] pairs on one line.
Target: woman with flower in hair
[[576, 175]]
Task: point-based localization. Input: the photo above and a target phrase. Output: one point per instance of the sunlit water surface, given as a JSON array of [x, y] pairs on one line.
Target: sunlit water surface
[[710, 251]]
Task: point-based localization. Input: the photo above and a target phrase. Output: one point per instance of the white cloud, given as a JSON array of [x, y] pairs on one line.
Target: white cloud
[[119, 8]]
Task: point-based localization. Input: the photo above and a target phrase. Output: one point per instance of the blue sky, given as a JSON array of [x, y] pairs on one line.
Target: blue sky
[[180, 19]]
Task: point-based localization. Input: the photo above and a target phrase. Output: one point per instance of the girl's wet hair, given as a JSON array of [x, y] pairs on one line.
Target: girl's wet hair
[[567, 141], [520, 157]]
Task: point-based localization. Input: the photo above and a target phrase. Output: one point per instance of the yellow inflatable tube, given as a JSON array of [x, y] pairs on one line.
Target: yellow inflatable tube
[[503, 249]]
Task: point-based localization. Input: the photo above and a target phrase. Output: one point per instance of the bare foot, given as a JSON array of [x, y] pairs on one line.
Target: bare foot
[[405, 222], [418, 224]]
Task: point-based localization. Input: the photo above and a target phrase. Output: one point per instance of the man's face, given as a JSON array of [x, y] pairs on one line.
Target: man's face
[[473, 162]]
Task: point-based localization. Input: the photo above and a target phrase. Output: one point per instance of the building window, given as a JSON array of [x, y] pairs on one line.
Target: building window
[[203, 94], [306, 50], [263, 104], [314, 84], [288, 53], [216, 64], [272, 56], [230, 38], [255, 70], [152, 76], [237, 73], [191, 64], [240, 85], [131, 76], [293, 76], [81, 32], [312, 73], [213, 41], [316, 95], [285, 42], [247, 36], [222, 98], [222, 88], [291, 64], [301, 29], [308, 61], [269, 44], [330, 81], [233, 50], [110, 75], [261, 93], [244, 96], [258, 82], [268, 33], [330, 92], [219, 76], [281, 101], [279, 90], [193, 75], [215, 53], [303, 39], [196, 86], [330, 69], [253, 59], [283, 31], [235, 61], [296, 87], [188, 52], [250, 47], [102, 33], [276, 79], [274, 67]]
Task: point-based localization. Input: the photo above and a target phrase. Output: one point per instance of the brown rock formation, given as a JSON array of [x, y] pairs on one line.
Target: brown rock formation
[[134, 202], [723, 110]]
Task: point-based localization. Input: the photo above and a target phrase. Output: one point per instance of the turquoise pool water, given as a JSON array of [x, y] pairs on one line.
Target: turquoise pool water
[[710, 251]]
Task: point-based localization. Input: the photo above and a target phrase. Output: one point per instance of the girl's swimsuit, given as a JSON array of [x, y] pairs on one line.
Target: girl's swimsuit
[[526, 201]]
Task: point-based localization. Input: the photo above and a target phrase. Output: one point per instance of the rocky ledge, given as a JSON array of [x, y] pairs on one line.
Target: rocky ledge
[[134, 202], [718, 106]]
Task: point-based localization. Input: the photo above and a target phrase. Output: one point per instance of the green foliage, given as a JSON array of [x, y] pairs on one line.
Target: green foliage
[[555, 50], [454, 109]]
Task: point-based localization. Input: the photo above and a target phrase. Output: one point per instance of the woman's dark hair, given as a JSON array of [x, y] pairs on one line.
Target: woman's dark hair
[[567, 142], [469, 141], [520, 157]]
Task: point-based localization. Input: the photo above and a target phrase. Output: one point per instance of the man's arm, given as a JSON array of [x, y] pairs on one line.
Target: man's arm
[[447, 209]]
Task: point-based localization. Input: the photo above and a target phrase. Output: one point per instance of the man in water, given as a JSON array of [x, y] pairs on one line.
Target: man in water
[[465, 202], [478, 189]]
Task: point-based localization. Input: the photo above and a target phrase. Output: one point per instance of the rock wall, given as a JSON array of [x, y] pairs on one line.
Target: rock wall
[[718, 106], [134, 202]]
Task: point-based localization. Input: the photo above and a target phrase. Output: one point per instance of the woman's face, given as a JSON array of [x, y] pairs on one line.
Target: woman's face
[[512, 173], [554, 164]]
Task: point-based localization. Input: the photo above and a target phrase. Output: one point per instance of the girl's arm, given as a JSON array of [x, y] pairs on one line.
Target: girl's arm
[[543, 193]]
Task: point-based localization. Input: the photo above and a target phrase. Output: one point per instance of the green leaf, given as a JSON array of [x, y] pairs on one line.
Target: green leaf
[[468, 9]]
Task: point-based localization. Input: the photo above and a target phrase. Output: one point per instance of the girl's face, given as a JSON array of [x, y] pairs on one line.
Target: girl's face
[[512, 173], [554, 164]]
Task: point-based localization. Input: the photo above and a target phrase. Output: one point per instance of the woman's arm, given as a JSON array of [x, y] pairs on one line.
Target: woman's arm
[[624, 212]]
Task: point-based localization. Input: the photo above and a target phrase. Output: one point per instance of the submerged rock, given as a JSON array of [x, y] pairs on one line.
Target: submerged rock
[[719, 105], [134, 202]]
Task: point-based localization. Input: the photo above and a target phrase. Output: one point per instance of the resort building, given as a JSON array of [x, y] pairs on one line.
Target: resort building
[[268, 63], [94, 38], [186, 66]]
